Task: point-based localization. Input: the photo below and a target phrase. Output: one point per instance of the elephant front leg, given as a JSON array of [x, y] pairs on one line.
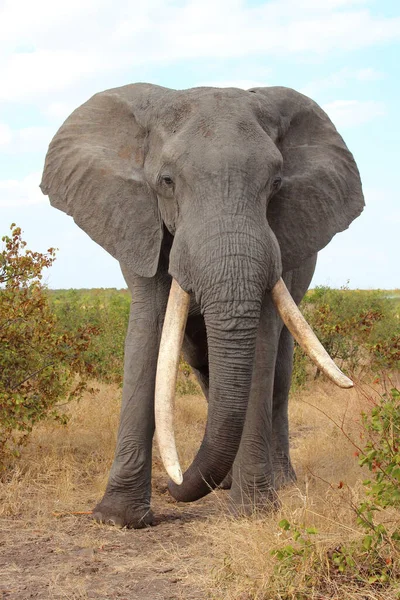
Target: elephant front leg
[[283, 468], [297, 282], [126, 501], [253, 485]]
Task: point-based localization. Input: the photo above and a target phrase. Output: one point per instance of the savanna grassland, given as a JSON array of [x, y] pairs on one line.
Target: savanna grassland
[[334, 536]]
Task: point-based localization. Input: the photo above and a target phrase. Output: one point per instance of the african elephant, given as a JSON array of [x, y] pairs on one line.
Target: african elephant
[[228, 194]]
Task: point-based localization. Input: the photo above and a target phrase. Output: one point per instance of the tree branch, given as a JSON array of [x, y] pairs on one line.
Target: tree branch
[[31, 375]]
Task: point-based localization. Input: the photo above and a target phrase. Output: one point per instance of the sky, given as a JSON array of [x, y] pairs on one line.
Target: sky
[[344, 54]]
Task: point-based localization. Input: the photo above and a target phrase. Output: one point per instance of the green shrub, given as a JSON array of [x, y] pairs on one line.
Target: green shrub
[[186, 384], [40, 364], [360, 330], [382, 457], [373, 558], [108, 311]]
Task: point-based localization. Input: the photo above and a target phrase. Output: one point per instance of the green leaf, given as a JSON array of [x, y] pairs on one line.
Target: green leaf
[[367, 542], [284, 524]]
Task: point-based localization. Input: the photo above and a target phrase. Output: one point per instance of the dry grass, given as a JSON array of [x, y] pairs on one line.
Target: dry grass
[[60, 464], [65, 469], [325, 424]]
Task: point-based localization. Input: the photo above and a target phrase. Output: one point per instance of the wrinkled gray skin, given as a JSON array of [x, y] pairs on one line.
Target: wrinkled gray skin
[[225, 190]]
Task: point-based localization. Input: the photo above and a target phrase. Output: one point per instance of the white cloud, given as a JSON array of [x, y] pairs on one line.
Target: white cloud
[[24, 192], [27, 139], [24, 22], [350, 113], [33, 139], [59, 111], [5, 135], [369, 75], [365, 252], [243, 84], [340, 79], [393, 219], [327, 5], [25, 76], [208, 28], [50, 47]]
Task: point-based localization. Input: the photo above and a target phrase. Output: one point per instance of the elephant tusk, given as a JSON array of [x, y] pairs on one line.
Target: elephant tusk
[[167, 371], [304, 335]]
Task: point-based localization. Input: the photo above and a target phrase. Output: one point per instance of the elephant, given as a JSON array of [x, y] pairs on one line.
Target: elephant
[[215, 202]]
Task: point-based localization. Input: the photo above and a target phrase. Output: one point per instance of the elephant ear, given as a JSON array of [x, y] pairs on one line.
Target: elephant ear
[[321, 190], [94, 172]]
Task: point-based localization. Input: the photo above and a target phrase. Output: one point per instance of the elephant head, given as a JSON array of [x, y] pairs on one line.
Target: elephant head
[[249, 184]]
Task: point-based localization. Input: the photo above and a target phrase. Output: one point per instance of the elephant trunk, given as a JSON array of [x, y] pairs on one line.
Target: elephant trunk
[[230, 281], [230, 361]]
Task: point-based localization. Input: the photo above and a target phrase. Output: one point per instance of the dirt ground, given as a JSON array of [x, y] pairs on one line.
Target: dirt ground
[[74, 558]]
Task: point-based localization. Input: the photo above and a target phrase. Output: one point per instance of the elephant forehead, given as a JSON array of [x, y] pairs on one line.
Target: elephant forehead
[[205, 106]]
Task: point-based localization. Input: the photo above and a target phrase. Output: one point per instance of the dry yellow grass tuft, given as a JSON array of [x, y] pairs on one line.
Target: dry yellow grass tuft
[[64, 466]]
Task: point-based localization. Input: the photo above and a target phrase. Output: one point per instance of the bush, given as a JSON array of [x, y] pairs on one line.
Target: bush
[[358, 328], [40, 364], [108, 312], [373, 558]]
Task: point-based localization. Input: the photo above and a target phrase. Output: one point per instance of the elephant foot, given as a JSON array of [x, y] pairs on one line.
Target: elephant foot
[[246, 500], [284, 473], [123, 515], [265, 503], [226, 484], [284, 478]]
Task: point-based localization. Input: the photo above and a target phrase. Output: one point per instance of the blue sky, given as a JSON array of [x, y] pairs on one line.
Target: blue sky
[[343, 53]]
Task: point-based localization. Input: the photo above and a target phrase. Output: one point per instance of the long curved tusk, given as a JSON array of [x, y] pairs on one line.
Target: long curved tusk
[[167, 371], [305, 336]]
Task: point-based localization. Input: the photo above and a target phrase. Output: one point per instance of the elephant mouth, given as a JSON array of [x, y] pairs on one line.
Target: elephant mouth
[[170, 348]]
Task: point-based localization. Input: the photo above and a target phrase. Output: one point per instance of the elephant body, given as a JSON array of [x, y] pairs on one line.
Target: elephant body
[[225, 191]]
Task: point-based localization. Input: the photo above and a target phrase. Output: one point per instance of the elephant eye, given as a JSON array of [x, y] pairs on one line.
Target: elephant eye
[[276, 184], [167, 180]]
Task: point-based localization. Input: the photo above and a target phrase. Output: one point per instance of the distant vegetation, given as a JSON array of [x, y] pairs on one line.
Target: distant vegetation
[[359, 328], [105, 310]]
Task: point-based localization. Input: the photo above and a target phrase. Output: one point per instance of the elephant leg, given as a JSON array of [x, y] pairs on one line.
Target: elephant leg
[[297, 282], [253, 474], [203, 377], [126, 501], [283, 469], [195, 349]]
